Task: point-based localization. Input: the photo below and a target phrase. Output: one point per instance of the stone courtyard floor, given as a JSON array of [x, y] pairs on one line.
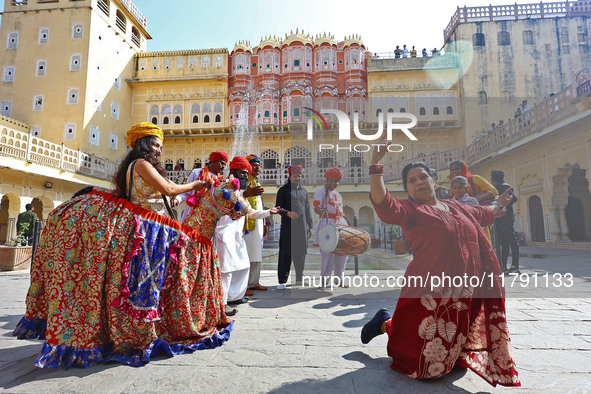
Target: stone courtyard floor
[[306, 340]]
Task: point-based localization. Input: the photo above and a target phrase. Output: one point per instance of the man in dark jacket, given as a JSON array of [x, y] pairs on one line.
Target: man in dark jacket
[[296, 226], [25, 223], [505, 227]]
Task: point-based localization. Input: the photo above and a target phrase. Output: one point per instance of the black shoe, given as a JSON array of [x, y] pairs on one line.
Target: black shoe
[[243, 300], [230, 311], [514, 270], [373, 328]]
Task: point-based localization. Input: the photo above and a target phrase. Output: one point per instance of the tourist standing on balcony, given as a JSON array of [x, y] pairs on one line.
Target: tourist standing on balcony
[[413, 52], [25, 223], [424, 53], [478, 187], [397, 52], [214, 167], [256, 227], [435, 328], [296, 226], [328, 204], [404, 51], [505, 226]]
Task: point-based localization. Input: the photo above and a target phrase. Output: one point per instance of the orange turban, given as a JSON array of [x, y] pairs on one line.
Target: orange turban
[[334, 173], [218, 156], [240, 163], [142, 130]]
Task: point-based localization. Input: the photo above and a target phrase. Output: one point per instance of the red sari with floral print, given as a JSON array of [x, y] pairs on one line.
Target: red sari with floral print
[[441, 324]]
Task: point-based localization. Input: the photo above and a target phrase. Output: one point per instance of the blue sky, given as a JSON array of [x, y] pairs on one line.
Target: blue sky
[[190, 24]]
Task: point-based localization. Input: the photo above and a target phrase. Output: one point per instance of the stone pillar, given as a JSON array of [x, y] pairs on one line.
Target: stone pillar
[[555, 224], [563, 225]]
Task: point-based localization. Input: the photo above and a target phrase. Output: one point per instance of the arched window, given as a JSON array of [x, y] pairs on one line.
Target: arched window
[[195, 108], [449, 110], [120, 21], [206, 108], [478, 39], [482, 99], [403, 110], [217, 107], [422, 111], [296, 63], [296, 112], [435, 110], [178, 112], [154, 110], [218, 118], [195, 119], [390, 109], [378, 112], [504, 38], [155, 120], [528, 37], [267, 114], [103, 5], [135, 36], [165, 120], [206, 119]]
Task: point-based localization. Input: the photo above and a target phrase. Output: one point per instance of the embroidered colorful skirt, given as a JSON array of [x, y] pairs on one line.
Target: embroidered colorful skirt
[[111, 281]]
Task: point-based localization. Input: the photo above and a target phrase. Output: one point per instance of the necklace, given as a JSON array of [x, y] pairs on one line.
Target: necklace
[[442, 206]]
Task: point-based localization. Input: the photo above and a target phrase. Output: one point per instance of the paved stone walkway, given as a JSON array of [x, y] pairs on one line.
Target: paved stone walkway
[[307, 340]]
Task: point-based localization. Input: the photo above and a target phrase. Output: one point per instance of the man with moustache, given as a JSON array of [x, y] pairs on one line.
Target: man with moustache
[[328, 204], [229, 239], [255, 227], [214, 167]]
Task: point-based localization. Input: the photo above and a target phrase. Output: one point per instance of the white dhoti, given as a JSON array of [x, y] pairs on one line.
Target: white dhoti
[[234, 284], [231, 249]]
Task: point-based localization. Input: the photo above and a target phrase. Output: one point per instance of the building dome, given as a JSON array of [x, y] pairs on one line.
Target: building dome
[[325, 38], [244, 45], [269, 41], [298, 37], [354, 39]]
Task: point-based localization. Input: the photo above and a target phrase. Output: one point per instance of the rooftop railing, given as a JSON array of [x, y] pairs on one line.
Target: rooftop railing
[[514, 12], [137, 14]]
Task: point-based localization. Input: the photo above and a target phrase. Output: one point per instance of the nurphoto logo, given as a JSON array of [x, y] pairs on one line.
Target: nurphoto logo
[[392, 123]]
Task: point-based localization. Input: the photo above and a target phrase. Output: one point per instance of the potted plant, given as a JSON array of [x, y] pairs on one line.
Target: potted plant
[[398, 242], [15, 257]]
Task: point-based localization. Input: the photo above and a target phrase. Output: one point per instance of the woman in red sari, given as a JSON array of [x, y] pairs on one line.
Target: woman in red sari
[[438, 324]]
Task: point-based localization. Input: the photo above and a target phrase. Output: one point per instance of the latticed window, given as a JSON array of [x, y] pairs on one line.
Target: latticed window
[[43, 36], [270, 159], [217, 107], [8, 74], [206, 108], [77, 31], [298, 155], [75, 61]]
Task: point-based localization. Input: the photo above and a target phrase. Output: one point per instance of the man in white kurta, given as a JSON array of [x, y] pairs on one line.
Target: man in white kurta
[[256, 227], [229, 239], [214, 167], [328, 203]]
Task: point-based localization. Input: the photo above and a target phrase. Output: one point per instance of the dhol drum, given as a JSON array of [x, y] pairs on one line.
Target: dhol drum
[[343, 240]]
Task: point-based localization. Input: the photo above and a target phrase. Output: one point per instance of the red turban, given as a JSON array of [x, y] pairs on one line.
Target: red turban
[[240, 163], [292, 170], [218, 156], [334, 173]]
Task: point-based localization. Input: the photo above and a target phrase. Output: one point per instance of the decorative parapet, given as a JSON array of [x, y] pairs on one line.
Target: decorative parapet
[[19, 144], [137, 14], [515, 12]]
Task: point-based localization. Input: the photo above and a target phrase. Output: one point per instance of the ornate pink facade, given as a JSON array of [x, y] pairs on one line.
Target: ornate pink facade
[[271, 83]]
